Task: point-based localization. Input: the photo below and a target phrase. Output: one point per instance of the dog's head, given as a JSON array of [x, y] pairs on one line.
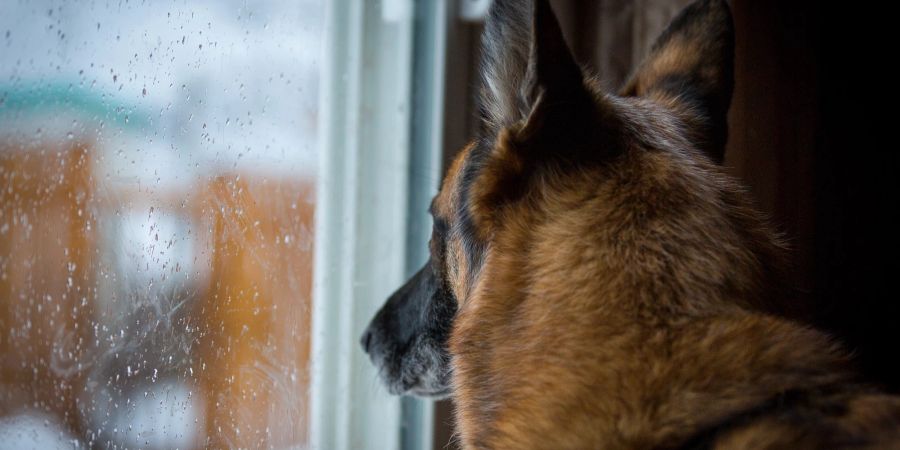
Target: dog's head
[[543, 117]]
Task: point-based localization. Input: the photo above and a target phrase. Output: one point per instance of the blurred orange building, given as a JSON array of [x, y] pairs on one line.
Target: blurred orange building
[[245, 324]]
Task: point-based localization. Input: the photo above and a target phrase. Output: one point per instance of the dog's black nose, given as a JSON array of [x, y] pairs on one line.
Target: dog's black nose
[[366, 340]]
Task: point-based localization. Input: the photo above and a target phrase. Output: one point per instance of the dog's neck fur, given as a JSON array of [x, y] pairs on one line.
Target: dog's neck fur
[[636, 303]]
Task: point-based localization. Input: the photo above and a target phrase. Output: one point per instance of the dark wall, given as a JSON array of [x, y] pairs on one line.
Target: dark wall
[[855, 186], [805, 137]]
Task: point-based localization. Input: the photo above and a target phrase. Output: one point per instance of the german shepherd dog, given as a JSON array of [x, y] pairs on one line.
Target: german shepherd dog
[[597, 281]]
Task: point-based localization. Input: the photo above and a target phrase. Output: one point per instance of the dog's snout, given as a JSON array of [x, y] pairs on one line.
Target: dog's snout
[[366, 340]]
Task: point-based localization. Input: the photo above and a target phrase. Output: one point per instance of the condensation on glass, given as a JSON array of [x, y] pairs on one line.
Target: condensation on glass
[[157, 163]]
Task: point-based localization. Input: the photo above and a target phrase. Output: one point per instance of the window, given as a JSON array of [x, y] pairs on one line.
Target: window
[[158, 164], [203, 203]]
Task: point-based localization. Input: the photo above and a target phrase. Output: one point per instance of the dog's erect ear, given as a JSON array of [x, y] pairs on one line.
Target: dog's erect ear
[[535, 106], [529, 72], [691, 70]]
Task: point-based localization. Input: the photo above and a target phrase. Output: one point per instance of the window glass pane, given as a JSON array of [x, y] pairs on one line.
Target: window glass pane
[[157, 166]]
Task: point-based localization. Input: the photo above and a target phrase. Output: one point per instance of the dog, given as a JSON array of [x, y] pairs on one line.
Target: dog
[[596, 280]]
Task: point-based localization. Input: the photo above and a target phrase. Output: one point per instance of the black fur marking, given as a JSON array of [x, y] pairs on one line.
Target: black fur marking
[[473, 246], [711, 127], [699, 20]]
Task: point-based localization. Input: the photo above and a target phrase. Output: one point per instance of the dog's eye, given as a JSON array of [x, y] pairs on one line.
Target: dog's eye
[[438, 229], [438, 233], [435, 237]]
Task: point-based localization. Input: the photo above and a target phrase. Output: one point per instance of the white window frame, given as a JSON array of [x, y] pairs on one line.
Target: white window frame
[[376, 175]]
